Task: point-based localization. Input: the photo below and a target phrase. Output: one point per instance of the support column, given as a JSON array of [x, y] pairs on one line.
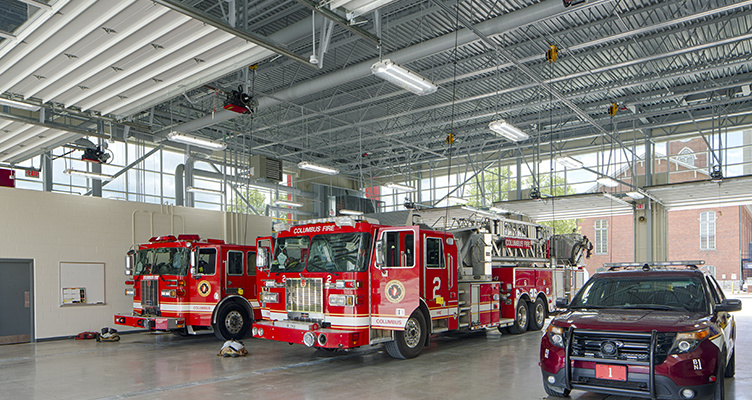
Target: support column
[[650, 218], [46, 171]]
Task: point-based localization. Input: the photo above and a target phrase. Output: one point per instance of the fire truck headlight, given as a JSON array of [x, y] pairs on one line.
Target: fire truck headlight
[[270, 297], [309, 339], [168, 293], [341, 300], [254, 331], [556, 335], [130, 292]]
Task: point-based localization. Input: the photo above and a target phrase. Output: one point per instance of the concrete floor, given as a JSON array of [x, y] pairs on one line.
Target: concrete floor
[[484, 365]]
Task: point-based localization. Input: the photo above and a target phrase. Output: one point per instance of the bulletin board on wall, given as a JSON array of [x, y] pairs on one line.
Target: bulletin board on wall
[[81, 283]]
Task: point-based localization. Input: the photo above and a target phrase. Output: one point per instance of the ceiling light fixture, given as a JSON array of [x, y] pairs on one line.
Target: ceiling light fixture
[[392, 185], [19, 104], [88, 174], [507, 130], [322, 169], [403, 77], [457, 200], [195, 140], [607, 181], [635, 195], [288, 203], [569, 162], [202, 190], [350, 212], [616, 199], [498, 210]]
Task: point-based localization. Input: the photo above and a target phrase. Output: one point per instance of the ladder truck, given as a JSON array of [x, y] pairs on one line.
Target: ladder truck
[[346, 282], [185, 284]]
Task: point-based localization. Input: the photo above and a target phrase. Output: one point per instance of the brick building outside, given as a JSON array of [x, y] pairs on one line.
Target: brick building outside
[[721, 236]]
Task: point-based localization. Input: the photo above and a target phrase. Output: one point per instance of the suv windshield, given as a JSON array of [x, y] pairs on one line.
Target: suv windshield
[[661, 293], [162, 261], [340, 252]]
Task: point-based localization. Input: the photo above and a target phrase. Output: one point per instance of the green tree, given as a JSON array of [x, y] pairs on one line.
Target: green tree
[[559, 188], [491, 185], [254, 197]]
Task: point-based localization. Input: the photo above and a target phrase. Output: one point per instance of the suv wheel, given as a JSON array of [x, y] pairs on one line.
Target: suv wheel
[[719, 393]]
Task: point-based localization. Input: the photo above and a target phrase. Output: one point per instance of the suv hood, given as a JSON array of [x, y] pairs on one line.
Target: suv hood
[[632, 320]]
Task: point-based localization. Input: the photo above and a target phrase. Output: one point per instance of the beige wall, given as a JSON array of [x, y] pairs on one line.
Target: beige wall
[[52, 227]]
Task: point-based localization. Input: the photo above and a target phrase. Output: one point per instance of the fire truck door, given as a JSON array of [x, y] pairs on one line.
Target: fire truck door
[[395, 277], [436, 280], [235, 279]]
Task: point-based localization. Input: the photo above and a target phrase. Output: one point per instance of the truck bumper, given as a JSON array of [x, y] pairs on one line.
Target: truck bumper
[[152, 323], [309, 334]]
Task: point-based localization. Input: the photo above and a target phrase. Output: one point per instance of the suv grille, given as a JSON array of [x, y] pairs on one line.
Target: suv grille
[[630, 346], [150, 297], [304, 298]]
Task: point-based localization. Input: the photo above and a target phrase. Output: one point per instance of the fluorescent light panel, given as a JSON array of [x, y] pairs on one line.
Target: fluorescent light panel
[[606, 181], [288, 203], [195, 140], [457, 200], [350, 212], [508, 131], [568, 162], [399, 186], [322, 169], [403, 77], [88, 174], [19, 104], [202, 190]]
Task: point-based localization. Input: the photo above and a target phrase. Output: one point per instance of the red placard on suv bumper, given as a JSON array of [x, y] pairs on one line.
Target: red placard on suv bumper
[[611, 372]]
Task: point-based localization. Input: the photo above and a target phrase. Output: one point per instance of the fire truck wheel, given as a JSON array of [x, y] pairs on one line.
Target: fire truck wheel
[[537, 315], [180, 331], [409, 343], [521, 319], [233, 322]]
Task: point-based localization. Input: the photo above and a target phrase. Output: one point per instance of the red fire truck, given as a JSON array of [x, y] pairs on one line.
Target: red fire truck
[[349, 282], [184, 284]]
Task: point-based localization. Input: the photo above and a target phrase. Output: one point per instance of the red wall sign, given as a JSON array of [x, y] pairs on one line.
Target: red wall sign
[[515, 243], [7, 178]]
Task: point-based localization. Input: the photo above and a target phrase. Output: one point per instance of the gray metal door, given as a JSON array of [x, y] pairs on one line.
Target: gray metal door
[[15, 301]]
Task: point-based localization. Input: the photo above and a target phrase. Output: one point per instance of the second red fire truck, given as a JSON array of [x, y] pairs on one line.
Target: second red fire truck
[[347, 282], [184, 284]]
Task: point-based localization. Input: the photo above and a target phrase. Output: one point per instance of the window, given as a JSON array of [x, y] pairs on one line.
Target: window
[[251, 263], [707, 230], [686, 156], [207, 261], [601, 236], [397, 256], [234, 263], [434, 255]]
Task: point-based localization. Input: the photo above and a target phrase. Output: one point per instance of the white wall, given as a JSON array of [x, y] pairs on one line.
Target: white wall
[[52, 227]]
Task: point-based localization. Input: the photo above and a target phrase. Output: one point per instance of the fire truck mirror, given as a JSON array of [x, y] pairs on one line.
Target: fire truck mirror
[[262, 259], [379, 255], [193, 263], [129, 258]]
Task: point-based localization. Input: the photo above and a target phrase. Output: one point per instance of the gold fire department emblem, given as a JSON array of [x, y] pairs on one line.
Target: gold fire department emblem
[[204, 288], [395, 291]]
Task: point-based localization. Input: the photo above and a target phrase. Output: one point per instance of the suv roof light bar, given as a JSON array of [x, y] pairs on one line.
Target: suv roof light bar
[[647, 266]]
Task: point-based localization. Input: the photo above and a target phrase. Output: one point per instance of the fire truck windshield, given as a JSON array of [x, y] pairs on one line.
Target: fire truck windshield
[[162, 261], [339, 252]]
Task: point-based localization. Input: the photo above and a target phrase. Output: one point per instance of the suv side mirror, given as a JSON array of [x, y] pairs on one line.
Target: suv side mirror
[[561, 302], [729, 305]]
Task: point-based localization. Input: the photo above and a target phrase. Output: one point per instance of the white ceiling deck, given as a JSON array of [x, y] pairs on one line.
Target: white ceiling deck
[[588, 205], [703, 194], [110, 57]]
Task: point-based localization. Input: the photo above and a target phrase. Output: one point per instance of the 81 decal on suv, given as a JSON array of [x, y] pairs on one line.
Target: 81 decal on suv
[[658, 331]]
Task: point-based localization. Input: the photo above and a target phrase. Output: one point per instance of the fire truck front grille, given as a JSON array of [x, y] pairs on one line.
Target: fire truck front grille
[[630, 346], [150, 297], [304, 298]]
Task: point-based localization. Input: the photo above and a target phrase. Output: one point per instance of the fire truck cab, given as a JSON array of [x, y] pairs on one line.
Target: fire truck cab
[[184, 284], [348, 282]]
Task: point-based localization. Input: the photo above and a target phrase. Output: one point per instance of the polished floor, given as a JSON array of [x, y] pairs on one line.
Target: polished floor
[[484, 365]]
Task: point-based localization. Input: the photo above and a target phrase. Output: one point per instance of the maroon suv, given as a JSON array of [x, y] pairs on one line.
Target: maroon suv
[[653, 331]]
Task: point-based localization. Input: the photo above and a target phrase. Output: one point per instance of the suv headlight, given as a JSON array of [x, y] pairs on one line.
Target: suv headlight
[[555, 335], [688, 341]]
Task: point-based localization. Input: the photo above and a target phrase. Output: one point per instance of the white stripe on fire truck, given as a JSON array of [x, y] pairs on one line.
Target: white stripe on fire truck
[[442, 312], [353, 322]]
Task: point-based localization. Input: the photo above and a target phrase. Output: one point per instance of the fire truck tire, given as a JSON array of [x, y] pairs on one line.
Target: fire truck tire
[[537, 317], [233, 322], [521, 318], [180, 331], [409, 343]]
